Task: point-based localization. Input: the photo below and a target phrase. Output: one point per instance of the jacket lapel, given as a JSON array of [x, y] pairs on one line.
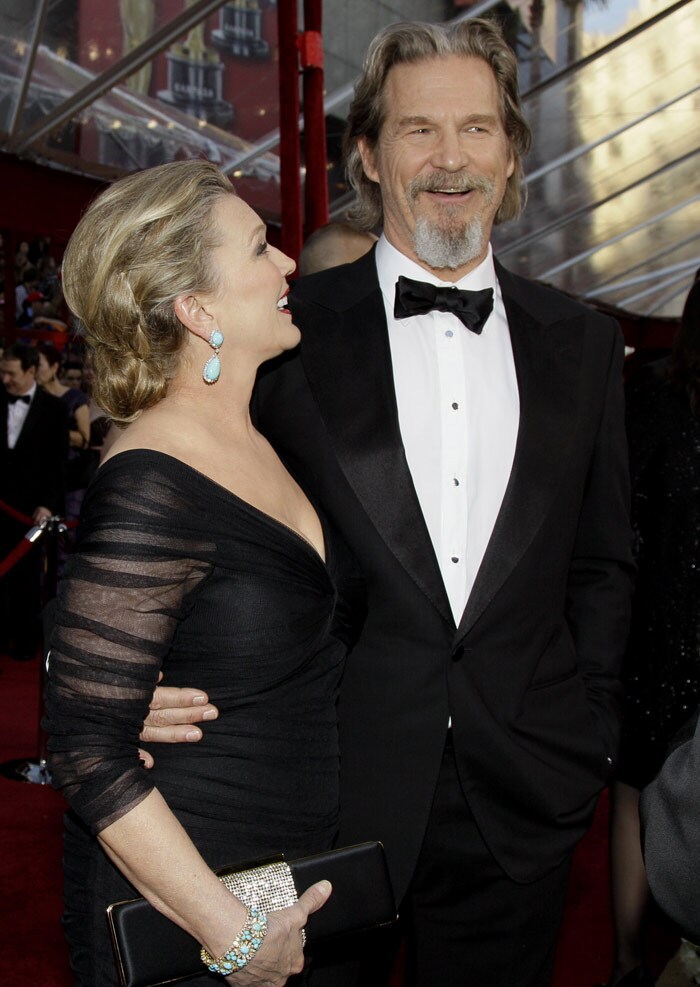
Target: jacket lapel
[[349, 370], [546, 365]]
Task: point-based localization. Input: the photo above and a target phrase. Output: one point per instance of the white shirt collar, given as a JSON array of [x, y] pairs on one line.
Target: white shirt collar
[[27, 394]]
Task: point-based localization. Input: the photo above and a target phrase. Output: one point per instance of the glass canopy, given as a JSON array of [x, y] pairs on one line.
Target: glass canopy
[[611, 90]]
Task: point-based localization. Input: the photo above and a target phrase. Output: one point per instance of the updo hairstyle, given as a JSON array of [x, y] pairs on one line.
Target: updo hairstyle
[[144, 241]]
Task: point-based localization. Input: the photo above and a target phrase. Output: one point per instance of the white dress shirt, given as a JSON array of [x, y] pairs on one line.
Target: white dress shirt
[[459, 412], [16, 416]]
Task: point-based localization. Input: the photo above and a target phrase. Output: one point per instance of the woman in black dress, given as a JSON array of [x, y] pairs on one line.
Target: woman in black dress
[[198, 555], [661, 673]]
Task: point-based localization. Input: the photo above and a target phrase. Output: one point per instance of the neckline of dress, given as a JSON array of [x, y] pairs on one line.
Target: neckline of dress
[[323, 558]]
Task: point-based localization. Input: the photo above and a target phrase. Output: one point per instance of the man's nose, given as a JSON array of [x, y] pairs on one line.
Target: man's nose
[[449, 151]]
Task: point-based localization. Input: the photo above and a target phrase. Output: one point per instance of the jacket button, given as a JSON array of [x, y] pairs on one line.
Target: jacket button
[[458, 653]]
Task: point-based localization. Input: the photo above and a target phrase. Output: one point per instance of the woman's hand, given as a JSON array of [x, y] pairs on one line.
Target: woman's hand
[[281, 954]]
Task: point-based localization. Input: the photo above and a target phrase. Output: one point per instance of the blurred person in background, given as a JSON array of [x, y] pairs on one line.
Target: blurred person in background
[[333, 244], [33, 455], [72, 375], [661, 672], [81, 460]]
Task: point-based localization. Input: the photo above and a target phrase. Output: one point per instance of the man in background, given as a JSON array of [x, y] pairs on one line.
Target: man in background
[[33, 455], [331, 245]]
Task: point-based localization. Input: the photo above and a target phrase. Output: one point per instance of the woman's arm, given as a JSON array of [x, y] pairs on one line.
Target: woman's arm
[[154, 852], [125, 590], [80, 437]]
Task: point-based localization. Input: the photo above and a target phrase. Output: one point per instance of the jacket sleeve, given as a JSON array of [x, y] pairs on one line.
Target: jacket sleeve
[[601, 573]]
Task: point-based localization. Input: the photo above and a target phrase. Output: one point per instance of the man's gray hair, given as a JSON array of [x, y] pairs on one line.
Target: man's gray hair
[[412, 42]]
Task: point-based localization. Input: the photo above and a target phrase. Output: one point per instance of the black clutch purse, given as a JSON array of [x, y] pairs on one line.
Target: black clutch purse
[[150, 949]]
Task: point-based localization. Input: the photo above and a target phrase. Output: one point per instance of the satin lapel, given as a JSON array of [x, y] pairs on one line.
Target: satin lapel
[[348, 367], [547, 368]]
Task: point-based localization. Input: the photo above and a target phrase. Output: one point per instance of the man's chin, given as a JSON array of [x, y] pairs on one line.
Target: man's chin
[[449, 247]]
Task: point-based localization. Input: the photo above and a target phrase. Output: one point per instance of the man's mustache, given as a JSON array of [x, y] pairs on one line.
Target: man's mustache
[[459, 182]]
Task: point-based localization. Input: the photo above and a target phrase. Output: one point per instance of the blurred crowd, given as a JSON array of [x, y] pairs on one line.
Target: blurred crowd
[[52, 435], [38, 295]]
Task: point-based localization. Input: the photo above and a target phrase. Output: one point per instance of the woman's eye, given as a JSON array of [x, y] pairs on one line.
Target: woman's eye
[[263, 248]]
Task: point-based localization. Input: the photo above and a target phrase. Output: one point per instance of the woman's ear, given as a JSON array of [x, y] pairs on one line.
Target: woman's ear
[[194, 315]]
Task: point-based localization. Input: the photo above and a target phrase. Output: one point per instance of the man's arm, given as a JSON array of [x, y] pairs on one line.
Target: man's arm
[[601, 573], [172, 716]]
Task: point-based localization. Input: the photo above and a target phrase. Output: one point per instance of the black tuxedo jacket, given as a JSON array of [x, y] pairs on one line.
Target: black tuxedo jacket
[[529, 676], [33, 473]]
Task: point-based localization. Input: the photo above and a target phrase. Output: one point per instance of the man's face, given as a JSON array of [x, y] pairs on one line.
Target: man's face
[[16, 381], [442, 162]]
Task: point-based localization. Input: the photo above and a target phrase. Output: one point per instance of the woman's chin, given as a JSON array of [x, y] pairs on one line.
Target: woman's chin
[[293, 337]]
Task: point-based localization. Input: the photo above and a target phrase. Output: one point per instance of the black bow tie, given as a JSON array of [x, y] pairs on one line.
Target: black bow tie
[[14, 398], [417, 297]]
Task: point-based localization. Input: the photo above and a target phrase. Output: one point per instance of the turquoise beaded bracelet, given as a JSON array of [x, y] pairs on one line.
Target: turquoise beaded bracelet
[[243, 948]]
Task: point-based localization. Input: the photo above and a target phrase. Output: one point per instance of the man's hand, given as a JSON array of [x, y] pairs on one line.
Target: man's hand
[[173, 713], [40, 513]]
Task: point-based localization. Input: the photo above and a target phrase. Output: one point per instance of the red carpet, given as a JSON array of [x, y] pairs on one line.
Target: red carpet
[[32, 952]]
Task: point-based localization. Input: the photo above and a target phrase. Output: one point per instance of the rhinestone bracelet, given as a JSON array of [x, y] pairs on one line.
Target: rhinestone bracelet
[[243, 948]]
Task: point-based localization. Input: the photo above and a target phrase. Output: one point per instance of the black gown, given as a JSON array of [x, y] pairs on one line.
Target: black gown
[[661, 672], [173, 571]]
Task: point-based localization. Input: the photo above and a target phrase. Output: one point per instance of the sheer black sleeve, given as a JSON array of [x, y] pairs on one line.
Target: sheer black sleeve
[[125, 590]]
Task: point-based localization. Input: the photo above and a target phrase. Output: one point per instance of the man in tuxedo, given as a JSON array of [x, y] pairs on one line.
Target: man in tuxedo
[[463, 429], [33, 454]]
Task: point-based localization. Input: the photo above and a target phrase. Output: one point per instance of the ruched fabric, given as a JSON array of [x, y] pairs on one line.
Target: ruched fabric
[[173, 572]]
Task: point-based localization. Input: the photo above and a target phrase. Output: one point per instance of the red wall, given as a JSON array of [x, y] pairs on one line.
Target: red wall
[[42, 201]]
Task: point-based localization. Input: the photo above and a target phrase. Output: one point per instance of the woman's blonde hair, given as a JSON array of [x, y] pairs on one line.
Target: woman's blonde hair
[[144, 241]]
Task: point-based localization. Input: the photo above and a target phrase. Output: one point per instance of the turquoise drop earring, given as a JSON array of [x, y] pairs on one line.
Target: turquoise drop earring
[[212, 368]]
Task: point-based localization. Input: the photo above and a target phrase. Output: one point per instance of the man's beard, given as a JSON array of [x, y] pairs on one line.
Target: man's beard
[[456, 243], [448, 249]]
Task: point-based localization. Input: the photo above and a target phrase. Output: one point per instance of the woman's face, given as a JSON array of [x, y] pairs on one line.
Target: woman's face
[[47, 371], [249, 303]]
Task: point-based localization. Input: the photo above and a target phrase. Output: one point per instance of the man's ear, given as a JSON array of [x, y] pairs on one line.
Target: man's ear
[[194, 315], [368, 155]]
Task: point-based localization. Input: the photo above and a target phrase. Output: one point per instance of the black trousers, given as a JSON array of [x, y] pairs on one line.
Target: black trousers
[[464, 923]]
